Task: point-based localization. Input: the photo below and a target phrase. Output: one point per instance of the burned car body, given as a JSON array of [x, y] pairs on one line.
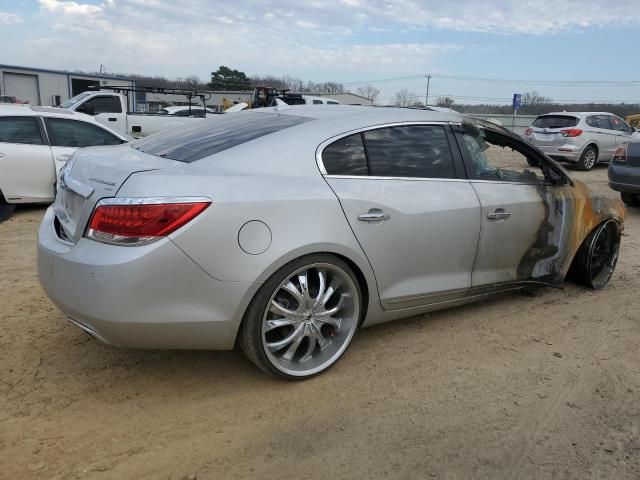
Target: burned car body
[[286, 229]]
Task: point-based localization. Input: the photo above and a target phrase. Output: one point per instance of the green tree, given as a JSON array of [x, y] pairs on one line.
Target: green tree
[[227, 79]]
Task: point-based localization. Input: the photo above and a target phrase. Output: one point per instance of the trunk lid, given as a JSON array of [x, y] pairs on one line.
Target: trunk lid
[[91, 175]]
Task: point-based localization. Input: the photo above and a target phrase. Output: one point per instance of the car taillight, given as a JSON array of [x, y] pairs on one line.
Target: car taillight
[[571, 132], [528, 131], [620, 154], [139, 221]]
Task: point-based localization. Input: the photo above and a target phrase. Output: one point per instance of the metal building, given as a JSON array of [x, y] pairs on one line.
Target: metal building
[[39, 86]]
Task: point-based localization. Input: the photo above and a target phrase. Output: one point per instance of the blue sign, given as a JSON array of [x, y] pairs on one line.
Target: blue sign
[[517, 101]]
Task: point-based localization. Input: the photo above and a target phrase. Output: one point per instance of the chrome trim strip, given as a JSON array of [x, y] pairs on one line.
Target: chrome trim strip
[[88, 330], [149, 200], [328, 141], [417, 179]]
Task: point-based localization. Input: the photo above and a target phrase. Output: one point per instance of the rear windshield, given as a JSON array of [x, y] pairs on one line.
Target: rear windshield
[[211, 136], [555, 121]]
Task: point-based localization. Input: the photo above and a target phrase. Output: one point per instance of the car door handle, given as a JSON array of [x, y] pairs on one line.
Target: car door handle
[[374, 215], [499, 214], [113, 119]]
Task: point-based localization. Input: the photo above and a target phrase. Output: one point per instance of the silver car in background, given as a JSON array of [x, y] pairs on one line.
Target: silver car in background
[[583, 139], [284, 230]]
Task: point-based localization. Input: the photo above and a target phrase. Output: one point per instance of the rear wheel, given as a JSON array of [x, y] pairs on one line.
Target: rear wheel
[[6, 209], [303, 318], [596, 259], [588, 158], [631, 199]]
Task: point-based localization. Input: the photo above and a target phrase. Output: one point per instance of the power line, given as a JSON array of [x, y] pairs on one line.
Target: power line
[[619, 83]]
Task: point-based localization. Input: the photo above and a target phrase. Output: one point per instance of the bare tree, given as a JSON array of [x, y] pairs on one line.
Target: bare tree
[[534, 98], [445, 102], [369, 91], [405, 98]]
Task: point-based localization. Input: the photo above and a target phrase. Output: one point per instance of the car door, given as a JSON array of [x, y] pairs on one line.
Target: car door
[[607, 138], [523, 236], [26, 166], [417, 219], [107, 109], [67, 135], [623, 131]]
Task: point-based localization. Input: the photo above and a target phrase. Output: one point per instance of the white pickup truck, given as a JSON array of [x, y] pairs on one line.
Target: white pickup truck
[[112, 110]]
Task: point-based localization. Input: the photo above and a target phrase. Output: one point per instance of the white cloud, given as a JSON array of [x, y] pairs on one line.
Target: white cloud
[[71, 8], [7, 18]]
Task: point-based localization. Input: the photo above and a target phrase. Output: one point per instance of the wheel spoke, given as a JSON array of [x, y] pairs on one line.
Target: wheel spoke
[[293, 290], [333, 310], [311, 343], [293, 348], [323, 342], [321, 285], [280, 322], [296, 335], [280, 310], [304, 287], [333, 286], [335, 322]]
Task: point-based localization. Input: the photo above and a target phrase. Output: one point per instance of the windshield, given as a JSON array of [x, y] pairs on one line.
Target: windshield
[[555, 121], [191, 143], [72, 101]]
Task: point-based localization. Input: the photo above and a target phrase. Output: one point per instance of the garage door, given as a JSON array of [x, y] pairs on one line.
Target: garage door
[[23, 87]]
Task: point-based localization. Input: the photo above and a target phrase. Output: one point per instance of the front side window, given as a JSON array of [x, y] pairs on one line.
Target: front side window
[[618, 124], [72, 133], [20, 130], [498, 157], [105, 104], [345, 157], [603, 122], [317, 102], [419, 151]]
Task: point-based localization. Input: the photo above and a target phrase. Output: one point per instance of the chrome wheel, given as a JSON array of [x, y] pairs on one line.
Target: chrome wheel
[[310, 319]]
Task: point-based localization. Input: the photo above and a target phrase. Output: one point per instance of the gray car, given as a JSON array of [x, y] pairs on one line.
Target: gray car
[[583, 139], [284, 230]]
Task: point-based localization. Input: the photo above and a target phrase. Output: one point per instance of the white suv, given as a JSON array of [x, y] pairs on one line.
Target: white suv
[[35, 143], [580, 138]]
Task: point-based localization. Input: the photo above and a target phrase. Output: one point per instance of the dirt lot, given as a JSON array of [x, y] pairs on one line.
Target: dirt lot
[[542, 386]]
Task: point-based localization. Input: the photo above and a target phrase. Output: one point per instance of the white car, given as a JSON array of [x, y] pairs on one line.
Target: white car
[[35, 143]]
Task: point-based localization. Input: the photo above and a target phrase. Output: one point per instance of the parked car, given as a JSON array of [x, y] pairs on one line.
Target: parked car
[[112, 109], [624, 173], [583, 139], [633, 120], [277, 229], [184, 111], [35, 142]]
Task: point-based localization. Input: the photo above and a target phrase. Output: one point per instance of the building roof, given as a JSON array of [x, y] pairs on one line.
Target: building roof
[[65, 72]]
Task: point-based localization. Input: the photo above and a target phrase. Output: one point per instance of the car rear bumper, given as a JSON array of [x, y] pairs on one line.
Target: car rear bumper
[[564, 153], [624, 178], [152, 296]]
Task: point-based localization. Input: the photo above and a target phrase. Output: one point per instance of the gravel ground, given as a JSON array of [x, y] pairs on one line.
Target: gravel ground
[[545, 385]]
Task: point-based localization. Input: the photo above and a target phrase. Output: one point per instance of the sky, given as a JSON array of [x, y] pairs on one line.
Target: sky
[[493, 48]]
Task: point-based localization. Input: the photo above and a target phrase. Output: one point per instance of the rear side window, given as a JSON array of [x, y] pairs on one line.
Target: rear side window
[[555, 121], [329, 102], [194, 142], [20, 130], [317, 102], [72, 133], [411, 151], [345, 157]]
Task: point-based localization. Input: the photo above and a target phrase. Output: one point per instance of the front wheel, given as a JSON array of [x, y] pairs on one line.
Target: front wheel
[[597, 257], [631, 199], [588, 158], [303, 318]]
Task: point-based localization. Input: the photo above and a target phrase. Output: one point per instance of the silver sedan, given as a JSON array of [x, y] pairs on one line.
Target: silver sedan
[[284, 230]]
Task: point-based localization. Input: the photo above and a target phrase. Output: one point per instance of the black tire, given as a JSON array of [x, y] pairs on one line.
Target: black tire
[[250, 336], [6, 209], [631, 199], [597, 257], [588, 159]]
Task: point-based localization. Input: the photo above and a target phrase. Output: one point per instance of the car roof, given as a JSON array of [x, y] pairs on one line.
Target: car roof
[[30, 110], [576, 114], [177, 108]]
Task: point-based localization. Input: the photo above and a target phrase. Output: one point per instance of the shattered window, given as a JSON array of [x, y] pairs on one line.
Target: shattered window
[[498, 157]]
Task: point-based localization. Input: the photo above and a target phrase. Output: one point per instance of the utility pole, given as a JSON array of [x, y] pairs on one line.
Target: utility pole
[[426, 98]]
